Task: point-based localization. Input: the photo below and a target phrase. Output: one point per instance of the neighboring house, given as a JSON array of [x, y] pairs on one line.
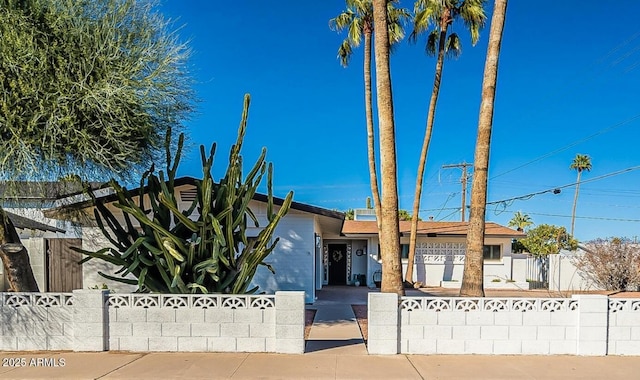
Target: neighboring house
[[47, 240]]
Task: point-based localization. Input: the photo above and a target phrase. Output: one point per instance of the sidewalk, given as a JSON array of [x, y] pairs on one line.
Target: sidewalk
[[111, 365]]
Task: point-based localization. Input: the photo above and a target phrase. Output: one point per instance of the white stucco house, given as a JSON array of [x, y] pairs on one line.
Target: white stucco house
[[317, 247]]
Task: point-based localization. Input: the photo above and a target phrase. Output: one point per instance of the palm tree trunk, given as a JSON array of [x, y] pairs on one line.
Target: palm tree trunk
[[15, 258], [431, 115], [390, 231], [368, 108], [575, 201], [472, 279]]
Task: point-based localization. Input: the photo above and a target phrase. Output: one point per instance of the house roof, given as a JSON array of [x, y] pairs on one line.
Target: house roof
[[435, 229], [182, 181], [41, 190], [30, 224]]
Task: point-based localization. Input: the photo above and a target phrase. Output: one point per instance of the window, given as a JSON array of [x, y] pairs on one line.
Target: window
[[491, 252], [404, 249]]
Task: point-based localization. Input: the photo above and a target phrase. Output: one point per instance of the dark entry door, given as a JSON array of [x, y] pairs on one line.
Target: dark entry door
[[64, 274], [337, 264]]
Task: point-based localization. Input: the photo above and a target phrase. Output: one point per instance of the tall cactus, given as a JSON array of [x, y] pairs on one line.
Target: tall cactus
[[203, 249]]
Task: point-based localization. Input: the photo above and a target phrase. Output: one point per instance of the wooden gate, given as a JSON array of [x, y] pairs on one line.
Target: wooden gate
[[64, 273]]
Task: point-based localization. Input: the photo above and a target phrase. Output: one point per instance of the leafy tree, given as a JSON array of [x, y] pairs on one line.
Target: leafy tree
[[88, 87], [548, 239], [357, 19], [580, 163], [349, 214], [390, 229], [439, 15], [176, 252], [612, 264], [472, 278], [520, 221]]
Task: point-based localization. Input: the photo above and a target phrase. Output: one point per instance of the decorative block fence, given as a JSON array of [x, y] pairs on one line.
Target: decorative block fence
[[94, 320], [591, 325]]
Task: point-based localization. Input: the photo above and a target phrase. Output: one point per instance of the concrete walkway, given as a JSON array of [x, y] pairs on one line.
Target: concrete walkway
[[335, 330]]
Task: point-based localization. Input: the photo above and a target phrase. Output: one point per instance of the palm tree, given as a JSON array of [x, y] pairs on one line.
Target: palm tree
[[390, 231], [357, 19], [520, 221], [580, 163], [440, 14], [472, 278]]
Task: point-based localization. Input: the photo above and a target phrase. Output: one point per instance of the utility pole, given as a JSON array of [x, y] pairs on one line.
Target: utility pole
[[464, 165]]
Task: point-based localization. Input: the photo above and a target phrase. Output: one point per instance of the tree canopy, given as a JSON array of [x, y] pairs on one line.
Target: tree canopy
[[88, 86], [548, 239]]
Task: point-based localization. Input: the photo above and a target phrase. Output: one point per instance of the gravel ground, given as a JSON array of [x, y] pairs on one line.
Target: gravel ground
[[309, 314], [361, 316]]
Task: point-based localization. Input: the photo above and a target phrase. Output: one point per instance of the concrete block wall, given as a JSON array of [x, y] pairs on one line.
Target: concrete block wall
[[94, 320], [592, 325], [624, 326], [36, 321]]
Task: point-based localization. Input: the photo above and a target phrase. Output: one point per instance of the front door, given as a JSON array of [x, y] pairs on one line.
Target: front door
[[337, 264]]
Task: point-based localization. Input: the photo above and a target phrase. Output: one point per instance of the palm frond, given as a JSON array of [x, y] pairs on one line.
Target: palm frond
[[342, 21], [453, 46], [344, 53], [473, 15], [431, 48]]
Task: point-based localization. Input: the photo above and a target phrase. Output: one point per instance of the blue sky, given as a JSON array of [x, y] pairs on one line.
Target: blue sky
[[568, 82]]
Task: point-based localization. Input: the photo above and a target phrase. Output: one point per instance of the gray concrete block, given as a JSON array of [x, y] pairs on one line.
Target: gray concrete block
[[626, 319], [8, 343], [438, 332], [250, 345], [508, 318], [480, 318], [126, 314], [594, 320], [88, 315], [120, 329], [589, 333], [218, 315], [466, 332], [479, 347], [205, 329], [422, 318], [452, 318], [452, 346], [147, 329], [32, 343], [262, 330], [236, 330], [221, 344], [161, 315], [89, 343], [535, 347], [627, 348], [247, 316], [164, 343], [592, 348], [561, 318], [47, 328], [382, 302], [383, 332], [114, 344], [175, 329], [288, 300], [59, 343], [269, 316], [290, 317], [15, 328], [289, 332], [59, 314], [507, 347], [519, 333], [420, 346], [414, 332], [289, 346], [94, 329], [635, 332], [383, 318], [270, 345], [551, 332], [192, 344], [536, 318], [138, 344], [189, 315], [495, 332], [589, 303], [562, 347]]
